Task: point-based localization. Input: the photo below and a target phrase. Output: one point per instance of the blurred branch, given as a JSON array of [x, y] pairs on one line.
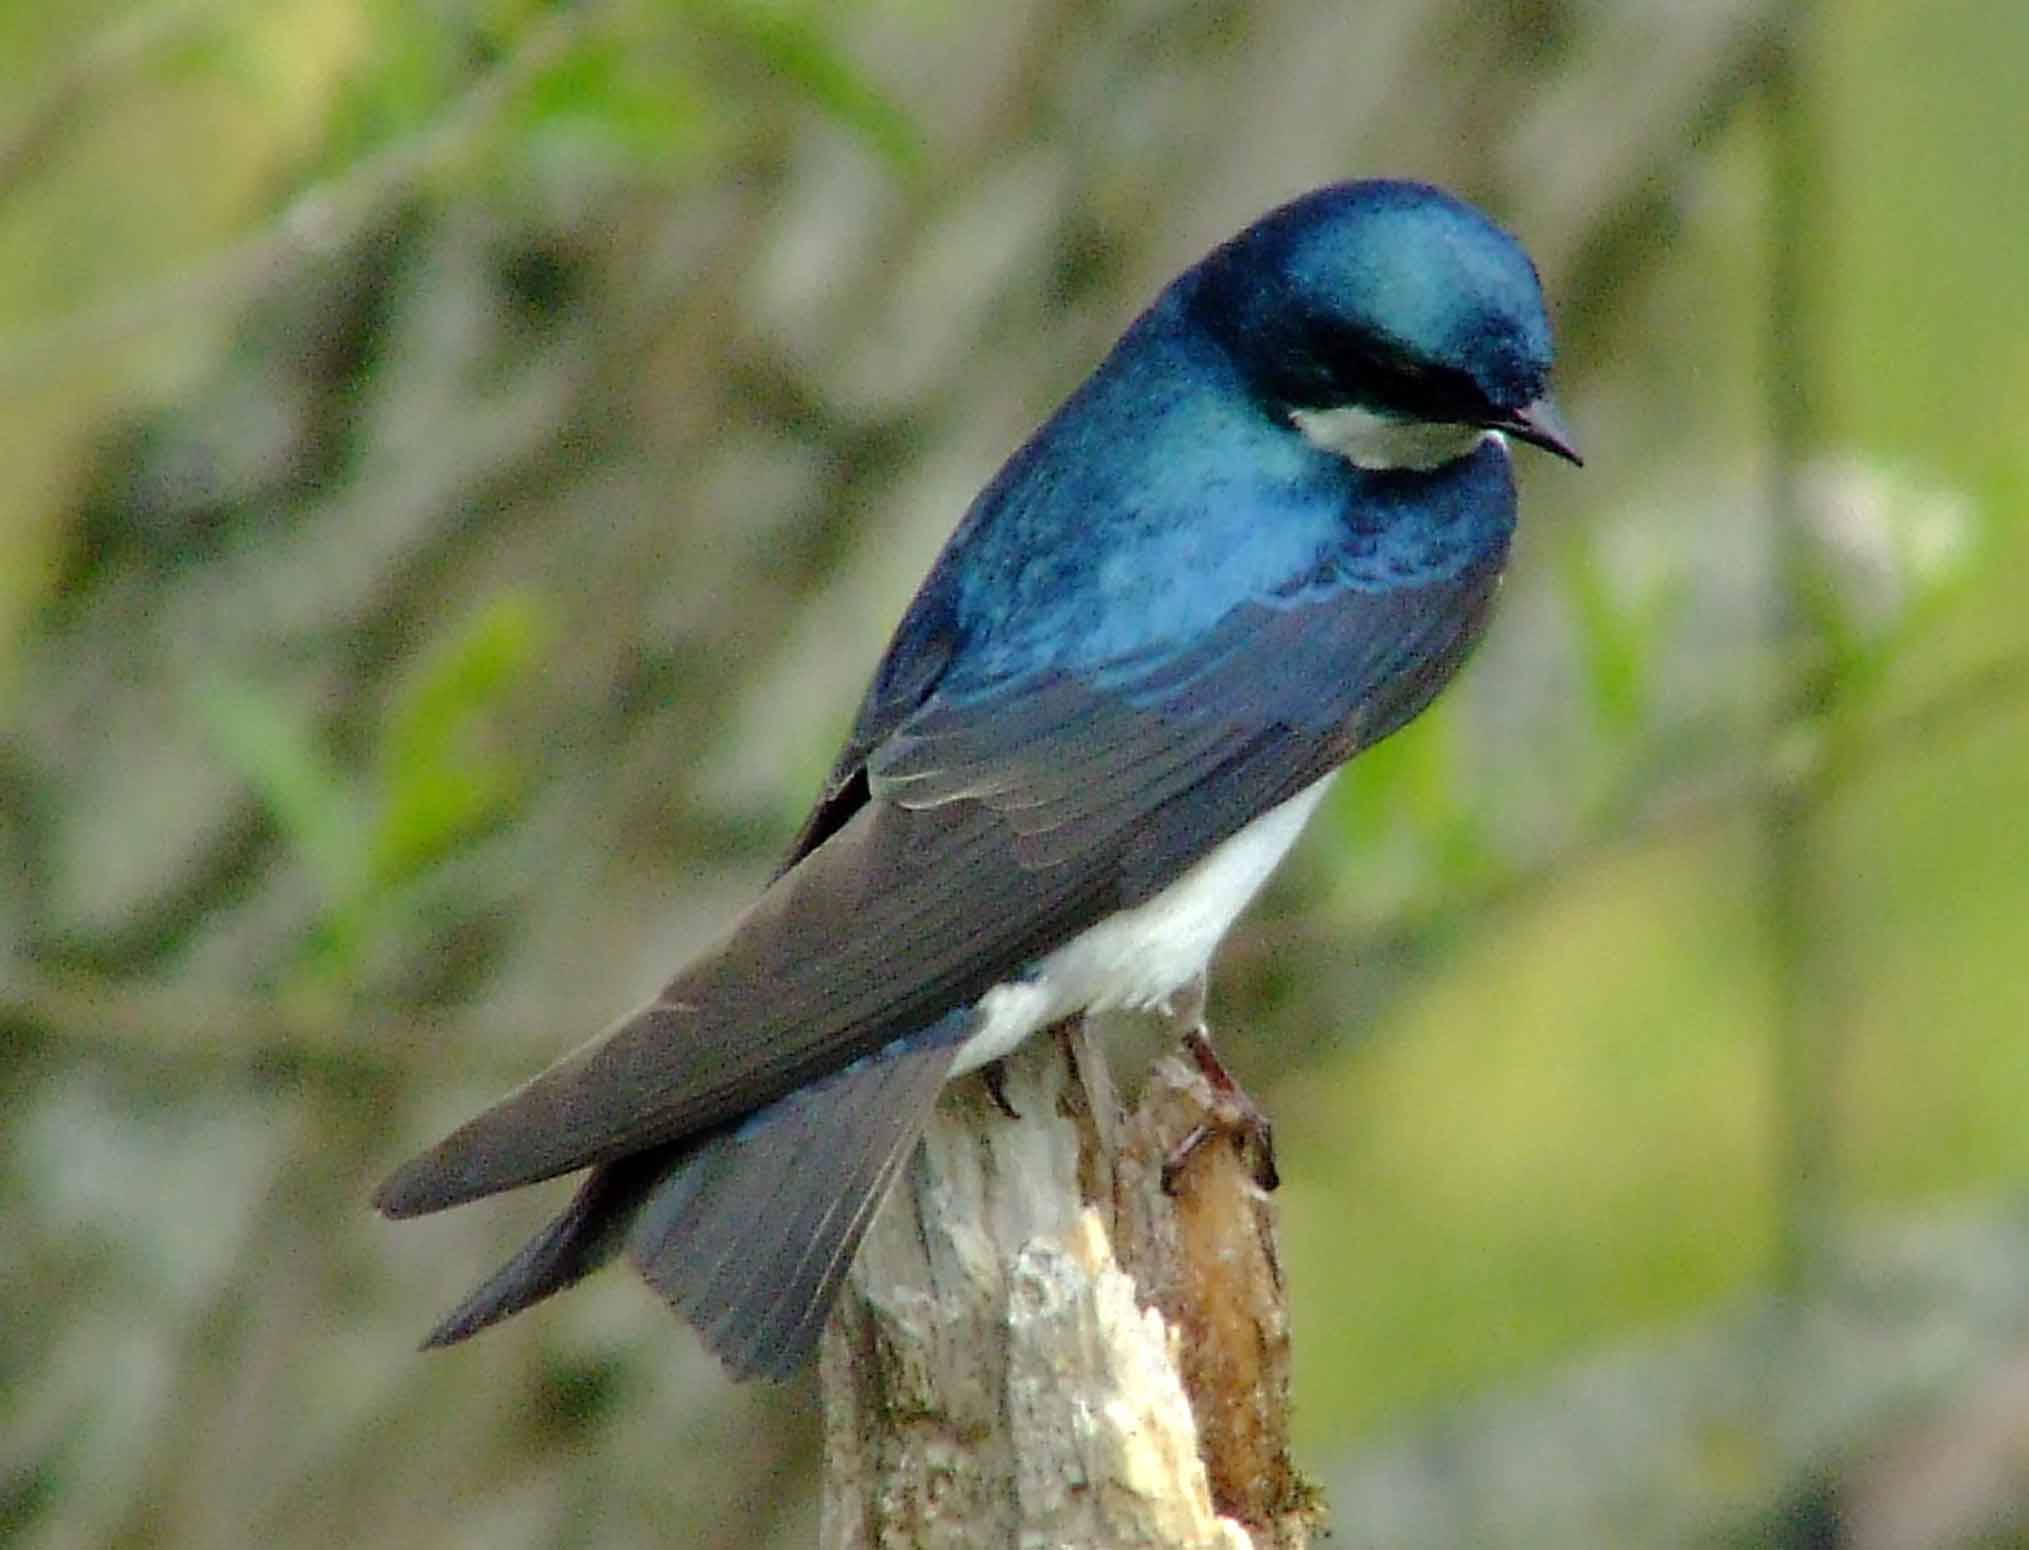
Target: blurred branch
[[99, 64], [1799, 763], [320, 220], [1677, 813], [140, 1024], [1656, 82]]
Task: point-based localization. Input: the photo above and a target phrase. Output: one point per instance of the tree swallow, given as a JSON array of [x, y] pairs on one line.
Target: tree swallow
[[1258, 539]]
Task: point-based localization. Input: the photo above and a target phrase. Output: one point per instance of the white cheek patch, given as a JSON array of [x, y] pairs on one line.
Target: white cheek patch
[[1377, 443]]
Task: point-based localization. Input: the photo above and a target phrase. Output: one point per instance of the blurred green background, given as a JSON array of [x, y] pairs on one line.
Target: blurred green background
[[460, 462]]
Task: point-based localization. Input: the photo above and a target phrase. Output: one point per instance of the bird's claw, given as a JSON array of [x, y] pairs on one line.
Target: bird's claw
[[1233, 1113]]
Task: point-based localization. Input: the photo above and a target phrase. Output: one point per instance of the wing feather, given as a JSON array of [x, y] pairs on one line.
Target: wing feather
[[984, 828]]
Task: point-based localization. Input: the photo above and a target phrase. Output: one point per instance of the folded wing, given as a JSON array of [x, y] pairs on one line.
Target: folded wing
[[986, 825]]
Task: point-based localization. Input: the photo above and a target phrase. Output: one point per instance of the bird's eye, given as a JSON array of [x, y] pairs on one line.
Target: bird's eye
[[1378, 372]]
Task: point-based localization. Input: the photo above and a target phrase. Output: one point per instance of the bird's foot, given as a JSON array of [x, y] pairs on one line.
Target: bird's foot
[[1233, 1113], [994, 1074]]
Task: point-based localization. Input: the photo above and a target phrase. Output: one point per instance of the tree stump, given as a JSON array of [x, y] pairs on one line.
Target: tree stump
[[1039, 1346]]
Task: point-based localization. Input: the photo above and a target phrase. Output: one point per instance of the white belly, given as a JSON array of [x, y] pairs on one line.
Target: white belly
[[1139, 958]]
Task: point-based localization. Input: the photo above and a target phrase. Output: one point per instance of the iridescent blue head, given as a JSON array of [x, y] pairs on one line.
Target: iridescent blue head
[[1385, 307]]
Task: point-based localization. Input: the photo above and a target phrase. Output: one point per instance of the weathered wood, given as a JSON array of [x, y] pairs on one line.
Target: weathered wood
[[1039, 1346]]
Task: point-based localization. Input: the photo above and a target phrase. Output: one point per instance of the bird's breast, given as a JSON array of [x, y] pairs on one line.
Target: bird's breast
[[1136, 959]]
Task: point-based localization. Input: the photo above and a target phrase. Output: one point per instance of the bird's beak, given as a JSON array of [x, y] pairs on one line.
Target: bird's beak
[[1542, 425]]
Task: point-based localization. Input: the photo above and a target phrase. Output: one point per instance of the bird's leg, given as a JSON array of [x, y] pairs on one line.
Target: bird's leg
[[1233, 1112], [994, 1074]]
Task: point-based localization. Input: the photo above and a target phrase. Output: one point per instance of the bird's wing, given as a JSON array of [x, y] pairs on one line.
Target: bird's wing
[[1156, 759], [997, 821]]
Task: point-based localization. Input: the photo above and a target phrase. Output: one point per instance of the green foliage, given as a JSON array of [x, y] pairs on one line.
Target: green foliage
[[1565, 1134], [643, 84], [793, 42], [1896, 553], [1407, 797], [1619, 637], [642, 103], [438, 784], [432, 785], [277, 750], [416, 64]]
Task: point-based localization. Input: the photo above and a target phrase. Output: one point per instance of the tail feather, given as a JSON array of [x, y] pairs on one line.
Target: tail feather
[[748, 1233], [586, 1235], [752, 1242]]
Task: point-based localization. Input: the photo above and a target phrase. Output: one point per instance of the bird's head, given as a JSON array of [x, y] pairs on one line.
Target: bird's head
[[1388, 321]]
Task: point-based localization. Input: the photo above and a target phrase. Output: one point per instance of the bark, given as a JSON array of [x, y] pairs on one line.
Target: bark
[[1039, 1346]]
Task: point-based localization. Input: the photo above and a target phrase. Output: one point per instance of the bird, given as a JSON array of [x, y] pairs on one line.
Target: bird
[[1259, 538]]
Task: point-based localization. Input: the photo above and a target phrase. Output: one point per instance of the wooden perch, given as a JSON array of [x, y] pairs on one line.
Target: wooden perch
[[1039, 1346]]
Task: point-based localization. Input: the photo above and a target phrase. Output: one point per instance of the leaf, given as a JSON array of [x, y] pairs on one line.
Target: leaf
[[791, 43], [438, 786], [628, 98], [1617, 638], [1407, 790], [273, 748]]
